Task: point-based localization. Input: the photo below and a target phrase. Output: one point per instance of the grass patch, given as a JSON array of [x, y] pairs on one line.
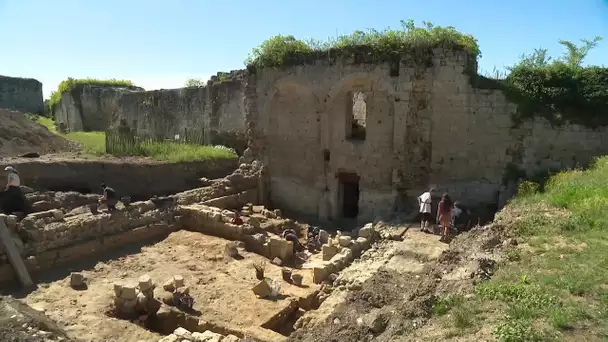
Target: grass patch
[[370, 46], [555, 288], [94, 144], [71, 83]]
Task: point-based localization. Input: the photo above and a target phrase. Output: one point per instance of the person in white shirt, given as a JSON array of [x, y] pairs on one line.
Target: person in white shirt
[[424, 203], [14, 200]]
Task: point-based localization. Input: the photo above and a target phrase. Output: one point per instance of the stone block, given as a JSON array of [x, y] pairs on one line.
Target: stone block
[[363, 242], [329, 251], [178, 281], [129, 305], [76, 279], [182, 333], [118, 288], [344, 241], [277, 261], [323, 236], [169, 285], [129, 292], [231, 338], [366, 231], [262, 289], [42, 206], [57, 214], [280, 248], [145, 283], [231, 249], [170, 338], [209, 336], [319, 273]]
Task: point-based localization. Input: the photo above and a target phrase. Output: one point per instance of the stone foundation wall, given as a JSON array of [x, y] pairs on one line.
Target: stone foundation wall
[[21, 94], [62, 227]]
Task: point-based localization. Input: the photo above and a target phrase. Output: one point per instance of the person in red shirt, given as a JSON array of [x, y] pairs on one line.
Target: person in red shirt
[[444, 215]]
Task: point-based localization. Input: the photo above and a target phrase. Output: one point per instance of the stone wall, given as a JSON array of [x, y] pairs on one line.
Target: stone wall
[[425, 124], [140, 180], [90, 108], [63, 229], [21, 94], [213, 114]]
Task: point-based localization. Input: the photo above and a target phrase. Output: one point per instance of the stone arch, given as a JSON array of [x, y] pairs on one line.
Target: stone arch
[[294, 155]]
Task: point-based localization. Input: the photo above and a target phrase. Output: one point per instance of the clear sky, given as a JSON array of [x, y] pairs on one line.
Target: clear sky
[[160, 44]]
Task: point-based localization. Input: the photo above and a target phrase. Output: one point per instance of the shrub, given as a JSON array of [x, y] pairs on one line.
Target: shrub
[[387, 44], [71, 83]]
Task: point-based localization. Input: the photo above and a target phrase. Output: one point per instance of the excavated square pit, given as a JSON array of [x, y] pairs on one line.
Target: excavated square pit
[[220, 285]]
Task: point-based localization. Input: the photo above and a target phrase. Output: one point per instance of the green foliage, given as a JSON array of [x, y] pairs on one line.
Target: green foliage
[[194, 83], [71, 83], [561, 90], [555, 287], [94, 144], [371, 45]]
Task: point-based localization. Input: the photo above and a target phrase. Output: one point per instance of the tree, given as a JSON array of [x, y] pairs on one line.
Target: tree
[[575, 55], [194, 82]]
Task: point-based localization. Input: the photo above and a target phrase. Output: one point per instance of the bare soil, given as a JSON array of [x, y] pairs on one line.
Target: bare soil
[[404, 279], [221, 287], [20, 135]]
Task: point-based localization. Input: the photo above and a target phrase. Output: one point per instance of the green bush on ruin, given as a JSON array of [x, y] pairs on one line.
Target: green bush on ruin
[[366, 46], [561, 90], [71, 83]]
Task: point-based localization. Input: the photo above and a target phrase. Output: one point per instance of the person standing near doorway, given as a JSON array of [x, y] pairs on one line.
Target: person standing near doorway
[[424, 203]]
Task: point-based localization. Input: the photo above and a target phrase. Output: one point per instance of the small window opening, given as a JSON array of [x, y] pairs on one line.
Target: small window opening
[[357, 115]]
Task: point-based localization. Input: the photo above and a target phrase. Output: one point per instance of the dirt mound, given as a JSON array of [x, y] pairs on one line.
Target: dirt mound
[[393, 306], [20, 323], [20, 135]]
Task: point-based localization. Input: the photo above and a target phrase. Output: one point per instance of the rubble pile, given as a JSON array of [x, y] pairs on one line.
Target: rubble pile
[[183, 335]]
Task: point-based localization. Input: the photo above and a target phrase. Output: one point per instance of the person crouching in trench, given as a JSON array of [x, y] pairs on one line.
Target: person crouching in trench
[[291, 235], [109, 197], [14, 201]]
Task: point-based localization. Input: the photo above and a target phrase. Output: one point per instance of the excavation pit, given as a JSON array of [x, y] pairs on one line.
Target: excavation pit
[[220, 285]]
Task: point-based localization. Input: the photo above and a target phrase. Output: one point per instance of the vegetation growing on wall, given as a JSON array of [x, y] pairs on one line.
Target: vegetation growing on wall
[[561, 90], [194, 83], [71, 83], [371, 45]]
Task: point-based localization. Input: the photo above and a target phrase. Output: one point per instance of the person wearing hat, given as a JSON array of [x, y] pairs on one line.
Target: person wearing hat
[[13, 197]]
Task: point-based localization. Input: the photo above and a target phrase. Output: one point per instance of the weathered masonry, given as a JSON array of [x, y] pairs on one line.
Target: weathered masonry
[[345, 139]]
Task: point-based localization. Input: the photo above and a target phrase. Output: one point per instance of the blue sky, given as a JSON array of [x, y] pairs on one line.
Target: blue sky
[[160, 44]]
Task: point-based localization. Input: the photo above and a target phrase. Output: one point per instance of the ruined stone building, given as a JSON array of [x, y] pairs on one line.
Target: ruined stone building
[[345, 137], [21, 94]]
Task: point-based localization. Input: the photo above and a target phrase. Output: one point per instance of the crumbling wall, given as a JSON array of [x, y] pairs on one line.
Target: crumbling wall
[[21, 94], [214, 113], [426, 124], [91, 107]]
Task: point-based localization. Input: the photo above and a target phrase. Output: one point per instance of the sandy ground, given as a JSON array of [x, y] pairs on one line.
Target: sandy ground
[[221, 287]]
